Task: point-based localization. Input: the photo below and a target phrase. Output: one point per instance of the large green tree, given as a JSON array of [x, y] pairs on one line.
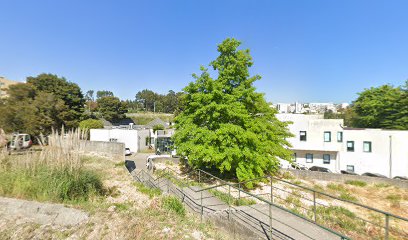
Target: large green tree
[[111, 108], [225, 125], [381, 107], [70, 93]]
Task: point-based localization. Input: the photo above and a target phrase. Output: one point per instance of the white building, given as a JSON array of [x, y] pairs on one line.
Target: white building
[[326, 143], [135, 140]]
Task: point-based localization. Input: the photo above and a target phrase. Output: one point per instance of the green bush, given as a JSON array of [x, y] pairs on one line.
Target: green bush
[[151, 192], [173, 204], [356, 183], [43, 183], [90, 124], [348, 196], [227, 198], [336, 187]]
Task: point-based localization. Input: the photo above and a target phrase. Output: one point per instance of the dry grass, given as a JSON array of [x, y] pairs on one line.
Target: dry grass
[[124, 213]]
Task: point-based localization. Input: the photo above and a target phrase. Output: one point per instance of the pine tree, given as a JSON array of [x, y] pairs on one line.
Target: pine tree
[[225, 125]]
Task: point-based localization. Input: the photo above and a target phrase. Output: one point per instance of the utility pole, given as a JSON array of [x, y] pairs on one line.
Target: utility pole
[[154, 107]]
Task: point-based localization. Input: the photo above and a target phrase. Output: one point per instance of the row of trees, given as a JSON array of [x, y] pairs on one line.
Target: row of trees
[[148, 100], [378, 107]]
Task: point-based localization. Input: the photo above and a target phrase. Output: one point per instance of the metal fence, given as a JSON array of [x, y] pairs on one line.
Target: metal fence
[[271, 214]]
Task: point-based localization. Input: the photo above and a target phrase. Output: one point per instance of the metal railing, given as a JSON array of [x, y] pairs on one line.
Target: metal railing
[[339, 217]]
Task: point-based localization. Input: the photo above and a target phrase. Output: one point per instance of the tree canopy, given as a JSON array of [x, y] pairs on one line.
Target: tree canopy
[[225, 125], [111, 108], [382, 107], [44, 102]]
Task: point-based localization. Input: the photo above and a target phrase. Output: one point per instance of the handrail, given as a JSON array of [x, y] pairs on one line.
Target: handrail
[[167, 171], [343, 200]]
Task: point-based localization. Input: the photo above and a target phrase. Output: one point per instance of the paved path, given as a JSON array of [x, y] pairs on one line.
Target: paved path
[[254, 218], [284, 224]]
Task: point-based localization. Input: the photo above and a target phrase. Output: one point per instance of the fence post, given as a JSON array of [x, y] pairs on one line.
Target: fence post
[[271, 189], [229, 202], [270, 219], [314, 206], [202, 210], [239, 191], [387, 221], [199, 176]]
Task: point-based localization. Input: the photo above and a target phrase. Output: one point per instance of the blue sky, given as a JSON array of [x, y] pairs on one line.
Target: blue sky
[[307, 51]]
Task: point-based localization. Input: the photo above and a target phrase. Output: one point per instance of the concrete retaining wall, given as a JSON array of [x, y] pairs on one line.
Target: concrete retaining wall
[[113, 150], [335, 177]]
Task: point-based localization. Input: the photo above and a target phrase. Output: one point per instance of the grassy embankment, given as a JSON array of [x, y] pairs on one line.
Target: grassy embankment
[[56, 174], [142, 118], [118, 207]]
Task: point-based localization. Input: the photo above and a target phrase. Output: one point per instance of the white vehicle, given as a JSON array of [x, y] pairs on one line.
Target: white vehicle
[[128, 152], [20, 141]]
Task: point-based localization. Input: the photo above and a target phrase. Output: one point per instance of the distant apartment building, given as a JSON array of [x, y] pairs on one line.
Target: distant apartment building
[[4, 85], [327, 143], [310, 108]]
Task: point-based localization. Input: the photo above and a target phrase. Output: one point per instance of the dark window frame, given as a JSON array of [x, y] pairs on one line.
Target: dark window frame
[[303, 136], [324, 136], [326, 161], [350, 166], [350, 149], [370, 146], [311, 159], [341, 136]]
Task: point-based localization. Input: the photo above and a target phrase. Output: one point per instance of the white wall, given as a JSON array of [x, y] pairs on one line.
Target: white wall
[[315, 126], [129, 137], [378, 160]]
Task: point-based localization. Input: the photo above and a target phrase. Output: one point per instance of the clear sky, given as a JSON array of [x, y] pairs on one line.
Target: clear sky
[[307, 51]]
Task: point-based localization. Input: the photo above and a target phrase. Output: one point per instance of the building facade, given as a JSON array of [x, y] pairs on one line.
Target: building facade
[[135, 140], [327, 143]]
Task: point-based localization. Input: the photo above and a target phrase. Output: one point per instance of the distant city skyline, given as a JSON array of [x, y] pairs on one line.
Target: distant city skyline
[[319, 51]]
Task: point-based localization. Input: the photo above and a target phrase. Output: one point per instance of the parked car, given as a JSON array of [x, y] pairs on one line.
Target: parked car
[[299, 166], [348, 172], [319, 169], [368, 174], [401, 178], [128, 152]]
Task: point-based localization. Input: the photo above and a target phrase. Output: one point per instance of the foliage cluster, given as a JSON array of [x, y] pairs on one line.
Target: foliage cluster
[[90, 124], [54, 174], [111, 108], [151, 192], [356, 183], [148, 100], [43, 103], [46, 184], [173, 204], [227, 198], [225, 125], [384, 107]]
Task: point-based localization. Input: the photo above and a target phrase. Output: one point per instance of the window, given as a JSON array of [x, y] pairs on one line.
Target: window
[[309, 158], [339, 136], [367, 146], [302, 135], [350, 168], [326, 158], [327, 136], [294, 157], [350, 146]]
